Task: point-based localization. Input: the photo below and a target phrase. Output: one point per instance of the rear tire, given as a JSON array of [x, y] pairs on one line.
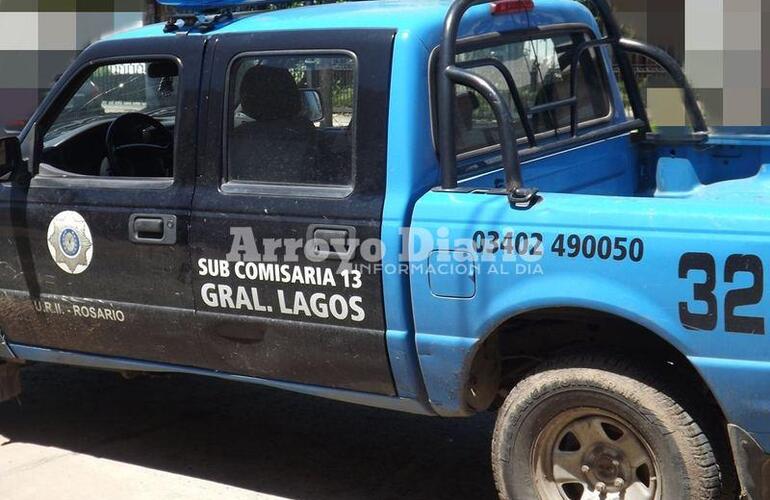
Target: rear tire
[[584, 427]]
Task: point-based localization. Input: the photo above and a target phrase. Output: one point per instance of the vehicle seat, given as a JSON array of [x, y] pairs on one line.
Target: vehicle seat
[[465, 135], [280, 144], [676, 178]]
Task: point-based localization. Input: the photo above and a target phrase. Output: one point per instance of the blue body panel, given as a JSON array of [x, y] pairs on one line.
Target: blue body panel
[[607, 167], [408, 131], [647, 292]]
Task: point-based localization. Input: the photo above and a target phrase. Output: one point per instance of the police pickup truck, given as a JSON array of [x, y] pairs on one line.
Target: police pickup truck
[[426, 206]]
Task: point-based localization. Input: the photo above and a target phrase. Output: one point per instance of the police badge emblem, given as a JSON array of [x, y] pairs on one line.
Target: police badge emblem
[[70, 242]]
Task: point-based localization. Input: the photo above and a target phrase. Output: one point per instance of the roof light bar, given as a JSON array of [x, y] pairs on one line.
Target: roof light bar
[[216, 4], [207, 15], [512, 6]]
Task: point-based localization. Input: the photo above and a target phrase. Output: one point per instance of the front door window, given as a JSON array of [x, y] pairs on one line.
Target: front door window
[[119, 123]]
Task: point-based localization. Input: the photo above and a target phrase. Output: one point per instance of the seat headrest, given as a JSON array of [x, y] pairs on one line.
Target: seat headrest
[[465, 105], [270, 93]]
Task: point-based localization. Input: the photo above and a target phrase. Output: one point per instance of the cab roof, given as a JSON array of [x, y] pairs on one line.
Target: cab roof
[[422, 18]]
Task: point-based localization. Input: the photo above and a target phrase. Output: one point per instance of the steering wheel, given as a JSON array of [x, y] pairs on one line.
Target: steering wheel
[[138, 145]]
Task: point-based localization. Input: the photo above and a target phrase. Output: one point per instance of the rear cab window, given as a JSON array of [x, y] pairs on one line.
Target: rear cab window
[[541, 66]]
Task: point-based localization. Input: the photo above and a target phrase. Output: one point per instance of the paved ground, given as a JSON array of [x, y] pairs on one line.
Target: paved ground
[[80, 435]]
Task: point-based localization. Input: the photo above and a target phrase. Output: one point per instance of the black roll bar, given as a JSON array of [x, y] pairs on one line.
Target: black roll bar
[[520, 108], [660, 56], [447, 58], [613, 32], [508, 143], [451, 73], [573, 76], [672, 67]]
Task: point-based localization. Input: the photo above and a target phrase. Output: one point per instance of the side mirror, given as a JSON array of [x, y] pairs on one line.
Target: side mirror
[[10, 155], [312, 108]]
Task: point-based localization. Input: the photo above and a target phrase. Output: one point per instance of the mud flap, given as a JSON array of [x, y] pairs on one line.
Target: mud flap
[[10, 381], [752, 464]]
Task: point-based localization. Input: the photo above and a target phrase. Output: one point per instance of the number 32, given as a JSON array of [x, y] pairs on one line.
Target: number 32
[[704, 292]]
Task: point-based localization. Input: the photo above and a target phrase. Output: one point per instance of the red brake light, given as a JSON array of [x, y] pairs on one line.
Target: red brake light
[[512, 6]]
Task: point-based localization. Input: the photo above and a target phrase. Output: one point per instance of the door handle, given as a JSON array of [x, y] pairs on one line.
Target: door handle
[[149, 228], [333, 242], [152, 229]]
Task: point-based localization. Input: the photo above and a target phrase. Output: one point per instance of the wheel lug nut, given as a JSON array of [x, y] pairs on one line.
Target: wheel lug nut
[[619, 483], [585, 468], [600, 487], [615, 463]]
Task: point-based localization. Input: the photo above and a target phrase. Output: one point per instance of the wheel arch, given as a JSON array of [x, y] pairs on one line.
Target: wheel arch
[[515, 345]]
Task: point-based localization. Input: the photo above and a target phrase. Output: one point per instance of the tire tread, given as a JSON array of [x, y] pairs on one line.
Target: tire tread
[[625, 378]]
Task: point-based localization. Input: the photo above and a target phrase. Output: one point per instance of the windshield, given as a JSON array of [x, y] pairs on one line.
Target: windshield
[[116, 89]]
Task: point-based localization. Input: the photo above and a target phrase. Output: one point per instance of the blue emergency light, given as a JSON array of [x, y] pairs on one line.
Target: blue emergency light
[[209, 14]]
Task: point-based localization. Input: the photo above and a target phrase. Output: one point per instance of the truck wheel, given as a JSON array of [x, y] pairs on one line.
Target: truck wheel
[[587, 427]]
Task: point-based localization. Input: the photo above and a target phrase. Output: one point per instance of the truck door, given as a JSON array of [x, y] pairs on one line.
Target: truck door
[[96, 258], [295, 156]]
